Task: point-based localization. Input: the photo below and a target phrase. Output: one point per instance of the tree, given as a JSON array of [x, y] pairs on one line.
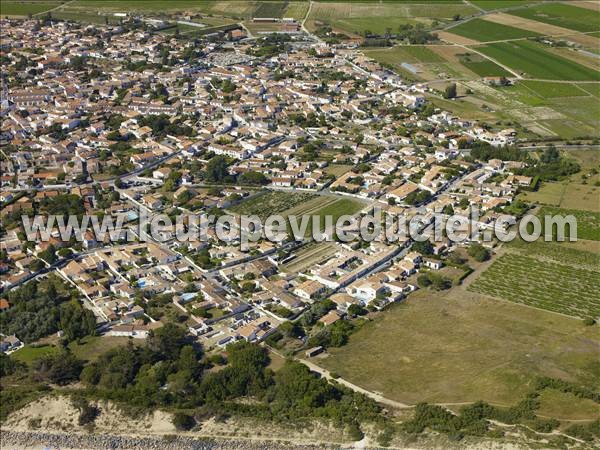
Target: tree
[[424, 248], [75, 321], [450, 91], [216, 169], [61, 368], [253, 177], [478, 252]]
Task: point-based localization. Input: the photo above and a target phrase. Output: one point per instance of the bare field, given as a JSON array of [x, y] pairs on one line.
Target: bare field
[[588, 4], [455, 38]]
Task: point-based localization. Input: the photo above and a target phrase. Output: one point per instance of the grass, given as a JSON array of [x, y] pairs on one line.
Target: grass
[[554, 403], [543, 284], [29, 353], [548, 194], [404, 53], [24, 8], [490, 5], [588, 222], [270, 9], [455, 346], [90, 348], [562, 15], [563, 252], [547, 89], [484, 30], [483, 67], [531, 59]]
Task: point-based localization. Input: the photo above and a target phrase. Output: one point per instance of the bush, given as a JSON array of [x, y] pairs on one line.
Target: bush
[[183, 422], [354, 432], [478, 252]]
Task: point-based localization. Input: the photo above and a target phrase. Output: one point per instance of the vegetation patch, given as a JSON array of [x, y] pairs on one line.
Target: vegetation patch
[[542, 284], [562, 15], [531, 59], [482, 66], [484, 30]]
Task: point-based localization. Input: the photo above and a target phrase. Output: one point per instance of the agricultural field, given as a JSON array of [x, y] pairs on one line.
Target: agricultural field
[[586, 255], [534, 61], [562, 15], [433, 62], [26, 7], [324, 206], [453, 346], [270, 9], [547, 285], [588, 222], [309, 255], [553, 90], [272, 202], [490, 5], [358, 17], [482, 66], [483, 31]]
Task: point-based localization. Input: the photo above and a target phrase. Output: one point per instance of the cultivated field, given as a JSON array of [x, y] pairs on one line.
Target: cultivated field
[[543, 284], [484, 30], [309, 255], [562, 15], [358, 17], [482, 66], [272, 202], [534, 61], [588, 222], [24, 8], [457, 346], [490, 5]]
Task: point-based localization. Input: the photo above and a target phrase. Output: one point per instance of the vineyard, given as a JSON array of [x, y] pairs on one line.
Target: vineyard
[[542, 284]]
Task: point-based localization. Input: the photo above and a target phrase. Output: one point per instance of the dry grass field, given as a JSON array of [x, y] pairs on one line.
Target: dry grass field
[[457, 346]]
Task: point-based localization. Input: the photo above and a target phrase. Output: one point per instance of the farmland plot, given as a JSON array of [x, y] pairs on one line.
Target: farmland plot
[[542, 284], [483, 31], [531, 59]]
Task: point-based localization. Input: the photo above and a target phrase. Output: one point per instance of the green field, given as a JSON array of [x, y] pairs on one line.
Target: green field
[[554, 90], [457, 346], [531, 59], [489, 5], [562, 15], [484, 30], [483, 67], [270, 9], [543, 284], [592, 88], [24, 8], [413, 54], [588, 222], [565, 252], [29, 353]]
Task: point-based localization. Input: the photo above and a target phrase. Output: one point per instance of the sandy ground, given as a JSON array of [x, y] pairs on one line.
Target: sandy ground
[[455, 38], [52, 422]]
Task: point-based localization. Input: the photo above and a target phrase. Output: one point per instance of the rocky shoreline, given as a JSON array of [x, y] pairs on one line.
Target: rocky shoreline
[[19, 440]]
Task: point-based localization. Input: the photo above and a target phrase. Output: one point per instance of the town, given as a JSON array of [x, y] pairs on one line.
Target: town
[[123, 119]]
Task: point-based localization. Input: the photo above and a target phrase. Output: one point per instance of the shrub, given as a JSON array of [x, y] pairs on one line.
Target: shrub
[[183, 422]]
